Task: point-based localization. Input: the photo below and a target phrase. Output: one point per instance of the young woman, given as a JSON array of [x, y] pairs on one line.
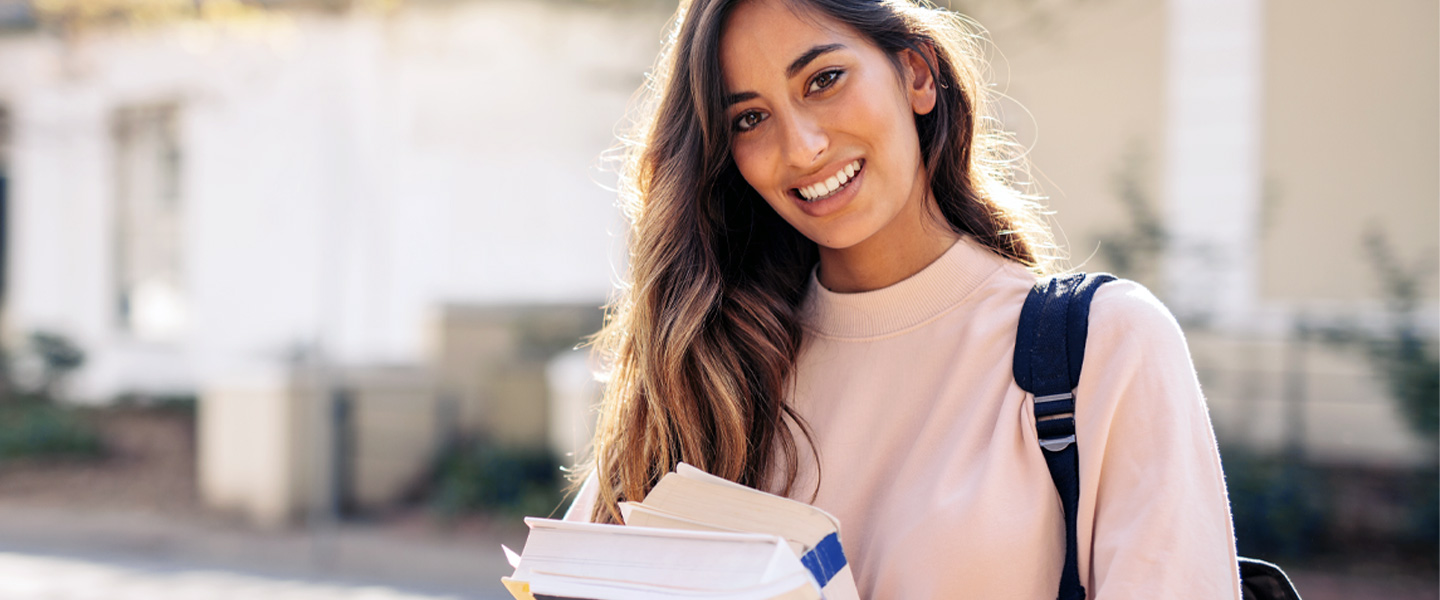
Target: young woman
[[827, 267]]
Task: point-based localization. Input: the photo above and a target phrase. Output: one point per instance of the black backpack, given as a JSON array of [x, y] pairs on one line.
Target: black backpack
[[1049, 349]]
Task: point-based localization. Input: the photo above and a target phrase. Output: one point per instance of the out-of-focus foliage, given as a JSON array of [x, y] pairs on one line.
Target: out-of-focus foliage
[[1273, 502], [32, 429], [1408, 360], [1401, 351], [58, 357], [1296, 511], [32, 423], [475, 476], [35, 372], [1135, 250], [1286, 507]]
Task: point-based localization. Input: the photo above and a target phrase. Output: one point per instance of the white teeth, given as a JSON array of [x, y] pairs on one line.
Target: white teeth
[[817, 191]]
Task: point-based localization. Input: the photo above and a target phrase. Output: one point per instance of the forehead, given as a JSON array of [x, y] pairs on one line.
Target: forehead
[[760, 38]]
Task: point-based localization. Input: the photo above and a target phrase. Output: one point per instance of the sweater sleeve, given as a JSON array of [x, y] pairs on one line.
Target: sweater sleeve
[[1154, 520]]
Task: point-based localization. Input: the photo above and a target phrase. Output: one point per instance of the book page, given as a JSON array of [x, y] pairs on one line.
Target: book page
[[797, 586], [699, 496], [688, 559]]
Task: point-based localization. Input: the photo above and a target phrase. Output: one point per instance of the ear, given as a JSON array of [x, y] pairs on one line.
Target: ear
[[919, 83]]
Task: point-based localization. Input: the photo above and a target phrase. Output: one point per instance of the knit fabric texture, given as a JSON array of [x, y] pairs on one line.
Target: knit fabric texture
[[929, 458]]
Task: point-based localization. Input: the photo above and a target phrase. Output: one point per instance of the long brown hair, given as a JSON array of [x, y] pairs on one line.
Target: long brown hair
[[702, 339]]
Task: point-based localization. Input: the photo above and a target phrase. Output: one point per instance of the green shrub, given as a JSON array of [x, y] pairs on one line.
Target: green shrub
[[481, 477], [1277, 504], [1291, 510], [34, 429]]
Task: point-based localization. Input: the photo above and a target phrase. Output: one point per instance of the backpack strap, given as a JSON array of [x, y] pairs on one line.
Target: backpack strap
[[1049, 350]]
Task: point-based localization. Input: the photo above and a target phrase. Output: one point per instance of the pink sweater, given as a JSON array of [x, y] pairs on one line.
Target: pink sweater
[[928, 454]]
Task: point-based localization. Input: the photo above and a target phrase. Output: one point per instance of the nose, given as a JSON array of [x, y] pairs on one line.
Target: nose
[[805, 140]]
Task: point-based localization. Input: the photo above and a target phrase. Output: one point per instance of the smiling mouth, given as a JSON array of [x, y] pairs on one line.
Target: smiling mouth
[[829, 187]]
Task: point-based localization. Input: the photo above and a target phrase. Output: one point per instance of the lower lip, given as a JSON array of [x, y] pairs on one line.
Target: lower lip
[[836, 201]]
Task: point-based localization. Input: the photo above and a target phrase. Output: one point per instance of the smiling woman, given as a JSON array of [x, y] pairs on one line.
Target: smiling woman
[[829, 141], [827, 265]]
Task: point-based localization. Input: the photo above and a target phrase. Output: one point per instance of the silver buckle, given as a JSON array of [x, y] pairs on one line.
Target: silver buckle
[[1054, 397], [1058, 444]]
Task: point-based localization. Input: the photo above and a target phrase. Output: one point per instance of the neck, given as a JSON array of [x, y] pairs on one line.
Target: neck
[[913, 240]]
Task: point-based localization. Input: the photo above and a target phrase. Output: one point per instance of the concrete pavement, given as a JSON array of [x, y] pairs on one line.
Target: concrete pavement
[[31, 577], [65, 554]]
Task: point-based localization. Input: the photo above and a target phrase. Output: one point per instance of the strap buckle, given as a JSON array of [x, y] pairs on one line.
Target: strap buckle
[[1058, 443], [1055, 397]]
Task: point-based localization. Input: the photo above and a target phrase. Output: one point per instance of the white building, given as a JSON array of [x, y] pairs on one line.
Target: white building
[[195, 199]]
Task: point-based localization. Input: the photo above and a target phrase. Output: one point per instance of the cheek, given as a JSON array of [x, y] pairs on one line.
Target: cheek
[[746, 160], [881, 116], [757, 166]]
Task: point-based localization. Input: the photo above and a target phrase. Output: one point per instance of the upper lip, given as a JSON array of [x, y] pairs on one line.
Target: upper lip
[[824, 174]]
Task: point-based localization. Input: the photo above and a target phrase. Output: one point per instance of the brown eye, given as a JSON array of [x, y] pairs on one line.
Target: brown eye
[[748, 120], [825, 79]]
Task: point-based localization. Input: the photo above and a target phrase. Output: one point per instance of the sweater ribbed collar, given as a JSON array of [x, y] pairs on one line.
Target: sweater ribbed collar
[[912, 301]]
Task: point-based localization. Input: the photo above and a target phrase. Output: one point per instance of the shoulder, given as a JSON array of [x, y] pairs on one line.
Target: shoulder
[[1135, 348], [1124, 312], [1134, 343], [1120, 312]]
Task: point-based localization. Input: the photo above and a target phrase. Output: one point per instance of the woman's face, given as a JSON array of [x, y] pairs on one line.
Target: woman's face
[[823, 124]]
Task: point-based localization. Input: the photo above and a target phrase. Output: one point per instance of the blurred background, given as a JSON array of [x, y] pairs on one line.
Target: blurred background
[[290, 291]]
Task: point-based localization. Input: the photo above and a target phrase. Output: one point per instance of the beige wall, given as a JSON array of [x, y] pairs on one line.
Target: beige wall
[[1087, 89], [1349, 129], [1351, 139]]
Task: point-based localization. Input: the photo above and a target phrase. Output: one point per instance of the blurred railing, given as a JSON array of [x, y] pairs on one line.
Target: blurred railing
[[1320, 458]]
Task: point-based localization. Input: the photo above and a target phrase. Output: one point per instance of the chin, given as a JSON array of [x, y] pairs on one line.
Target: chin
[[837, 238]]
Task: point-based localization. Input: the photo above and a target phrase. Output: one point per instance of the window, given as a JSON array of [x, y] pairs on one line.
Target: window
[[151, 302]]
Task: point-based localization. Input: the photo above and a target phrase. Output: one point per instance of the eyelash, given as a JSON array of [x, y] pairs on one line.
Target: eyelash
[[833, 76], [741, 118]]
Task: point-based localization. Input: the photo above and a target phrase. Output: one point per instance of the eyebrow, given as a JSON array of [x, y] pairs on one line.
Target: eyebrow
[[790, 71], [808, 56], [733, 99]]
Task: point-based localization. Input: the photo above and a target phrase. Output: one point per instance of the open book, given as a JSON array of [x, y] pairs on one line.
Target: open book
[[694, 536]]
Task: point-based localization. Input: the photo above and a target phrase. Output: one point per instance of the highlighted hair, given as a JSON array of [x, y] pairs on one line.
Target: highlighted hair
[[702, 339]]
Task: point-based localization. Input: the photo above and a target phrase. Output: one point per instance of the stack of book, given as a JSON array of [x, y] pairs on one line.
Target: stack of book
[[694, 536]]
